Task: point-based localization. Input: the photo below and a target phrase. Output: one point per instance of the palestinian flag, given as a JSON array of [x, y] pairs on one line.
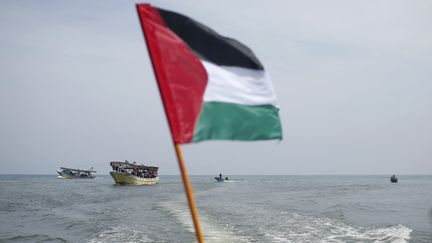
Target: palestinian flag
[[213, 87]]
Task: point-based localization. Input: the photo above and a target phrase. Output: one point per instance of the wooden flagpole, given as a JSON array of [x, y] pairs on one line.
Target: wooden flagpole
[[189, 193]]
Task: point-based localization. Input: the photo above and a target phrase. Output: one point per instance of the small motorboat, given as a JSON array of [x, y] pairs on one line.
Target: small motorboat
[[220, 178], [393, 179]]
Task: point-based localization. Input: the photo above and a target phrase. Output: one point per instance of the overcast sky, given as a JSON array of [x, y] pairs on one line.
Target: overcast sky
[[353, 80]]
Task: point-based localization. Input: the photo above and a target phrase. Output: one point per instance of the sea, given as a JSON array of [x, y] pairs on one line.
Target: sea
[[42, 208]]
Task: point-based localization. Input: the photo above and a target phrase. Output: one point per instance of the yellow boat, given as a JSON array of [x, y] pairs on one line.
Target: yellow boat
[[123, 178], [125, 173]]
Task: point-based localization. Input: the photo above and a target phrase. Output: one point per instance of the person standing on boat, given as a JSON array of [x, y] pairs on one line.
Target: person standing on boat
[[220, 175]]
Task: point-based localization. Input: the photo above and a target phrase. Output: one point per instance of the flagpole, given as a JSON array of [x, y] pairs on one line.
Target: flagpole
[[189, 193]]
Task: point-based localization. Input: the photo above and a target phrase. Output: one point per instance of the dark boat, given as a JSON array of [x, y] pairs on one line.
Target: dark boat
[[393, 179], [220, 178]]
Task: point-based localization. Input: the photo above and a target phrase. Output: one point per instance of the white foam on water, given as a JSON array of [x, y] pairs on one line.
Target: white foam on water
[[288, 227], [213, 232], [395, 234], [122, 234], [300, 228], [230, 181]]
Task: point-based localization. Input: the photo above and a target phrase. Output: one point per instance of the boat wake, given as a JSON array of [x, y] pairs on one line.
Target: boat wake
[[230, 181], [300, 228], [212, 232], [287, 227], [122, 234]]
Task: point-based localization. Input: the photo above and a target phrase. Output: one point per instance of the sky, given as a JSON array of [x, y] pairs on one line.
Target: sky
[[353, 81]]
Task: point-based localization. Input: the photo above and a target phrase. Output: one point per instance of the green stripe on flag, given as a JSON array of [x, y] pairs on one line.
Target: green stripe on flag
[[228, 121]]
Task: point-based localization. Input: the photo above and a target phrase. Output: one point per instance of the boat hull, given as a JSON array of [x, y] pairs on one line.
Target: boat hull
[[63, 175], [122, 178]]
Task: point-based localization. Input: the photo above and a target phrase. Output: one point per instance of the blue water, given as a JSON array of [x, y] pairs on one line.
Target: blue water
[[247, 209]]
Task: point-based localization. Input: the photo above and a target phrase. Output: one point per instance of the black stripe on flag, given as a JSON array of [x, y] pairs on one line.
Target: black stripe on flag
[[208, 44]]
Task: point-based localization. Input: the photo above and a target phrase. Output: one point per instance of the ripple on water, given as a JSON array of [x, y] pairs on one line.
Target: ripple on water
[[35, 238]]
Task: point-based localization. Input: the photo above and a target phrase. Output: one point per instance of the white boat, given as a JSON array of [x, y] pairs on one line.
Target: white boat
[[69, 173]]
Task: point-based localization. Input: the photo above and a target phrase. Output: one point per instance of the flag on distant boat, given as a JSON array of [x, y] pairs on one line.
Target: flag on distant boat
[[213, 87]]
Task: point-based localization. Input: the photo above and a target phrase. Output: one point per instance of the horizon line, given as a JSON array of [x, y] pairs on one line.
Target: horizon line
[[244, 174]]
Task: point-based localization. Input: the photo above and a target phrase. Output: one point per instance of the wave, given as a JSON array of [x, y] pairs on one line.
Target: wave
[[301, 228], [35, 238]]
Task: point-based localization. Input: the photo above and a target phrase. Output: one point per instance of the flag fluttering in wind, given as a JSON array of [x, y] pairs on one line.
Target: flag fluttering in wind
[[213, 87]]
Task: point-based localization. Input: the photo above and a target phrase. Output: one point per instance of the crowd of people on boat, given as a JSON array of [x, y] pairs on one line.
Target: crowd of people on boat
[[139, 171]]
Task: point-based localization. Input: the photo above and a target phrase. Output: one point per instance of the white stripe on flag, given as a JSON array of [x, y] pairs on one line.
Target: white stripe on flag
[[238, 85]]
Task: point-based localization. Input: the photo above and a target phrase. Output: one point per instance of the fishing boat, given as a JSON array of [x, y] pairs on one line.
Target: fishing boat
[[125, 173], [69, 173]]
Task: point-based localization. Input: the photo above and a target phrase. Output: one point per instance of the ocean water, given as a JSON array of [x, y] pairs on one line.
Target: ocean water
[[247, 209]]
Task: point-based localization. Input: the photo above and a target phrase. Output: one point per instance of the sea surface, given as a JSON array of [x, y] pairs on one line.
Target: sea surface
[[246, 209]]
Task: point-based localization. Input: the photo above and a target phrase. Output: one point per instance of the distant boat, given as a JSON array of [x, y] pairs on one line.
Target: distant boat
[[393, 179], [125, 173], [221, 179], [69, 173]]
